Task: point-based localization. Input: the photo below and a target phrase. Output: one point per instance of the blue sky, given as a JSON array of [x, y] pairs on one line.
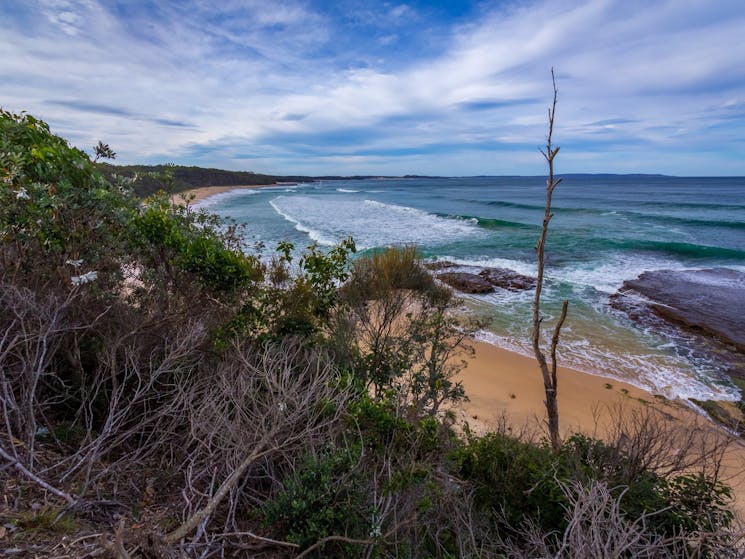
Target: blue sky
[[352, 86]]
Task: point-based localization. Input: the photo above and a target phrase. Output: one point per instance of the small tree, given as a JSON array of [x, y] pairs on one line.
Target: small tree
[[103, 151], [548, 374]]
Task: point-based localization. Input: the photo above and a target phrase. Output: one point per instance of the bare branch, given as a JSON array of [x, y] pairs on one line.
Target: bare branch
[[36, 479], [345, 539], [250, 408], [555, 340], [549, 375]]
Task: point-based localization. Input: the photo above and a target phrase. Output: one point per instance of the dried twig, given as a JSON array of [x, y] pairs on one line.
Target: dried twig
[[251, 408], [549, 375], [36, 479]]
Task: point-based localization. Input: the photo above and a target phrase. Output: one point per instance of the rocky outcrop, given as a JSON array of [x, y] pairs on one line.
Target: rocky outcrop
[[465, 282], [473, 279], [508, 279], [710, 301]]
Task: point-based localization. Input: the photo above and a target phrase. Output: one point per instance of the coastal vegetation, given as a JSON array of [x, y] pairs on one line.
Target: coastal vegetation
[[166, 394], [178, 178]]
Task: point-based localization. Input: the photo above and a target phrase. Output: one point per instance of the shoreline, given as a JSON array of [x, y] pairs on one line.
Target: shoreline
[[506, 386], [509, 383], [202, 193]]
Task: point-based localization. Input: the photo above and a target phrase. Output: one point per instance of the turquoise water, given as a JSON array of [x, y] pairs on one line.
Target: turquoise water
[[606, 229]]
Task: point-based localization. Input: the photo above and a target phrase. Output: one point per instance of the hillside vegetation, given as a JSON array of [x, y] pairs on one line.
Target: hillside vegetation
[[182, 178], [164, 394], [178, 178]]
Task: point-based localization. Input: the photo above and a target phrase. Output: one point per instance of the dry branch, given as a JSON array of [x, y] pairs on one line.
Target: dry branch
[[549, 375], [251, 408]]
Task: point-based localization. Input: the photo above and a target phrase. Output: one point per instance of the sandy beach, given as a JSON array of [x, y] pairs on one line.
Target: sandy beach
[[506, 386], [501, 383], [199, 194]]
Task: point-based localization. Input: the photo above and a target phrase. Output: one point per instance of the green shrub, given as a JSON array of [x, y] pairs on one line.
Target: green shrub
[[376, 273], [59, 217], [408, 438], [179, 247], [522, 481], [696, 504], [325, 496], [514, 478], [292, 301]]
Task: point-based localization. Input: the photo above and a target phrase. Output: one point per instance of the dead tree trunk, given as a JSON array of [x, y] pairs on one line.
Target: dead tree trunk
[[548, 372]]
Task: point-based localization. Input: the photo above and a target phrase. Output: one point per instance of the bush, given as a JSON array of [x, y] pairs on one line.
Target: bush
[[376, 273], [514, 478], [525, 484], [402, 331], [59, 217], [293, 301], [187, 251], [386, 431], [324, 497]]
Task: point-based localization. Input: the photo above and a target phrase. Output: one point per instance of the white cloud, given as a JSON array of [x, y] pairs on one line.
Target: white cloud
[[400, 11], [659, 75], [67, 15]]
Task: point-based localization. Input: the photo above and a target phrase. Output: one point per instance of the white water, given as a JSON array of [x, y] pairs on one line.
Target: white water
[[328, 221]]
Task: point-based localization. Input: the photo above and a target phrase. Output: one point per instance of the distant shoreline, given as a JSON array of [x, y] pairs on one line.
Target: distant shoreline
[[202, 193]]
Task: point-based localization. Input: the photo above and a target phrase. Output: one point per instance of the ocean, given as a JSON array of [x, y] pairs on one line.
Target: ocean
[[606, 229]]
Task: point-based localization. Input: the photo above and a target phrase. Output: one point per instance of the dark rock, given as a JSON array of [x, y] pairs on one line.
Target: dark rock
[[508, 279], [439, 265], [711, 301], [465, 282]]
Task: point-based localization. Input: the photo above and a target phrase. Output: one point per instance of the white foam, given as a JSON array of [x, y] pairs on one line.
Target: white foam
[[608, 275], [526, 268], [312, 233], [330, 219], [289, 187], [222, 197], [717, 279], [656, 373], [346, 190], [502, 342]]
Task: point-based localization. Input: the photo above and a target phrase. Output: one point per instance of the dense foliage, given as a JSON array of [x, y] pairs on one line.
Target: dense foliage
[[184, 398]]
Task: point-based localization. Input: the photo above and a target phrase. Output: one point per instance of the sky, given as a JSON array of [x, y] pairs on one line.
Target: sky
[[450, 88]]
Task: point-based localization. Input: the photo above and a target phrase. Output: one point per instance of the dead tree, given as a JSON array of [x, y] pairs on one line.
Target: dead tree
[[548, 372]]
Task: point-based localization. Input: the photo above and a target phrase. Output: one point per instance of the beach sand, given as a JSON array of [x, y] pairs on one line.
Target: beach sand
[[204, 192], [504, 386], [507, 387], [502, 383]]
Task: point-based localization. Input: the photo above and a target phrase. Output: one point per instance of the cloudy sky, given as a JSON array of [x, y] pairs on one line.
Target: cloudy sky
[[454, 87]]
